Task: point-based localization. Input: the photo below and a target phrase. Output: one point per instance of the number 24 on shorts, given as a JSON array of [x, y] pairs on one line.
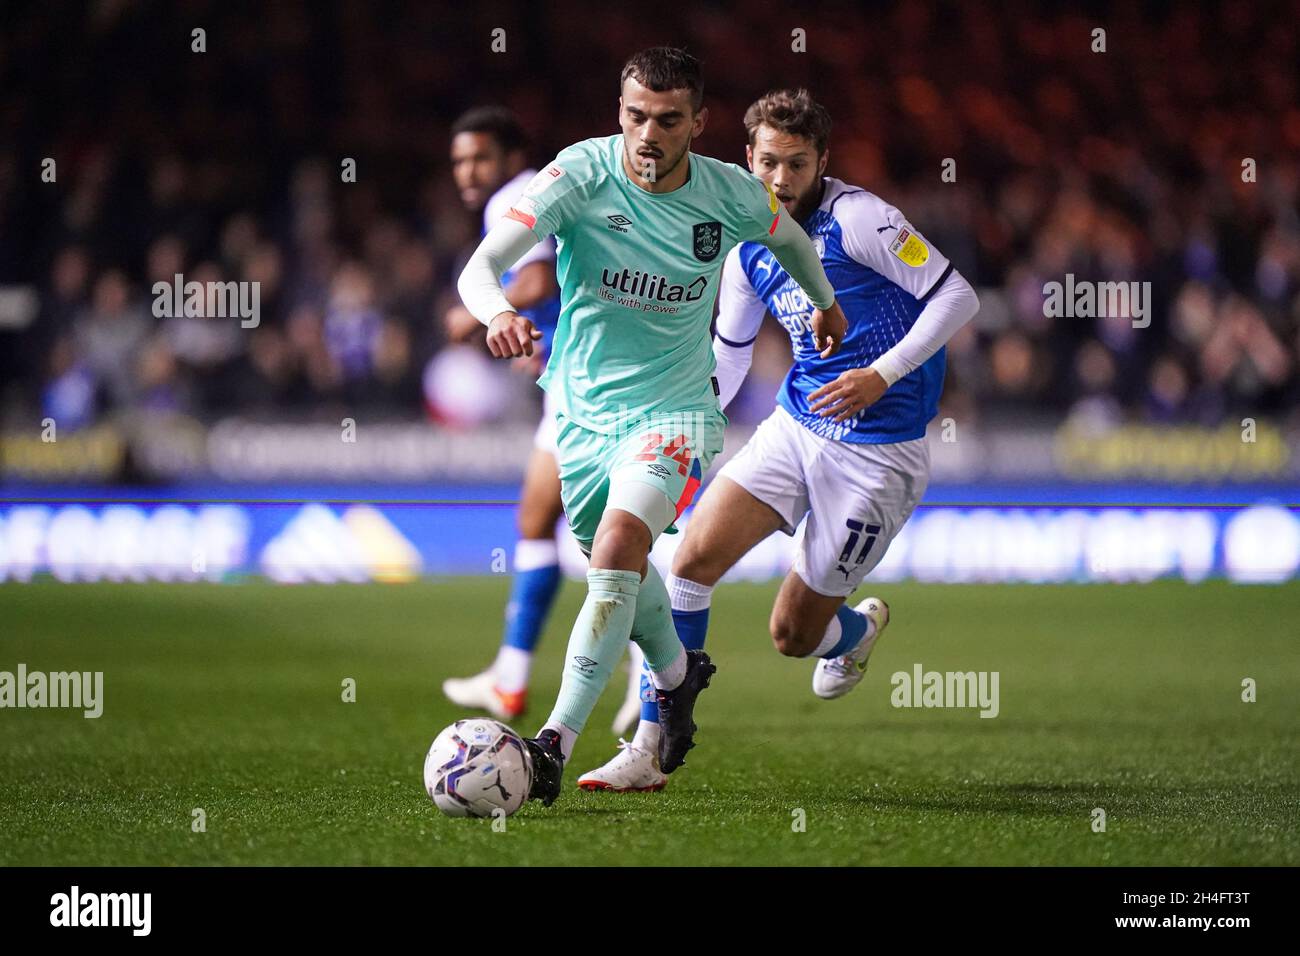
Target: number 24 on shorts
[[676, 450]]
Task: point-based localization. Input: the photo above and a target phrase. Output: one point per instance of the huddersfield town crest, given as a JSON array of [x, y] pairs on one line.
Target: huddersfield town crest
[[708, 240]]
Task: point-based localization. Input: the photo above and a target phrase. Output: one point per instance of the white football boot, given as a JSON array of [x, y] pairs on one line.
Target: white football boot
[[632, 769], [837, 676], [629, 713], [481, 692]]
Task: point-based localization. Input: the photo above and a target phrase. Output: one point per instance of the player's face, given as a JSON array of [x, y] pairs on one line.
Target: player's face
[[790, 165], [657, 127], [479, 167]]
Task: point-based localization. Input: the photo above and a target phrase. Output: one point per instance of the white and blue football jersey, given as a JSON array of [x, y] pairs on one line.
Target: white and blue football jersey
[[883, 272]]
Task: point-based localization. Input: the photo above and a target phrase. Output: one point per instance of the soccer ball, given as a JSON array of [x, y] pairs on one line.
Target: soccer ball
[[476, 767]]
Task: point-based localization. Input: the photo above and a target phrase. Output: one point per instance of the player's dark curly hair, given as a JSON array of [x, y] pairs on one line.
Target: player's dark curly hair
[[663, 68], [497, 122], [793, 112]]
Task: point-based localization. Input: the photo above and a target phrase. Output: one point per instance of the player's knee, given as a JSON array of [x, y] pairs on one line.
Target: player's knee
[[790, 637], [621, 544], [693, 565]]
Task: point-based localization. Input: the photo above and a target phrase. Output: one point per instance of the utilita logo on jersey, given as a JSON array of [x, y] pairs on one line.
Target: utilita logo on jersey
[[648, 292]]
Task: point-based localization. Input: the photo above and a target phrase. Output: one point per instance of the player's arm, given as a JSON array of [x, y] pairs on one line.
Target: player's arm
[[509, 333], [740, 314], [879, 237], [950, 307], [795, 251], [532, 279], [531, 285], [548, 204]]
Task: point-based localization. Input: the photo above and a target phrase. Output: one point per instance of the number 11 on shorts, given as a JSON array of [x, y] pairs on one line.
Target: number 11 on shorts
[[855, 530]]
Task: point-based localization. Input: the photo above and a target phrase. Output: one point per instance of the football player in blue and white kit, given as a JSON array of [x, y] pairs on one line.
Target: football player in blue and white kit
[[490, 169], [845, 446]]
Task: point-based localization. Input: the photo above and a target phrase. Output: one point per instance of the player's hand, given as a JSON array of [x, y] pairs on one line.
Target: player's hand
[[460, 324], [849, 394], [510, 335], [829, 328]]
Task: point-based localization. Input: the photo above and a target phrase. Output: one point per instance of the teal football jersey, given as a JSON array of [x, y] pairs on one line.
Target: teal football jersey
[[638, 274]]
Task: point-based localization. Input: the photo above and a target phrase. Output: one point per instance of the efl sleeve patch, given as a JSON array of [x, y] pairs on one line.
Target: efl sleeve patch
[[544, 180], [909, 248], [554, 198]]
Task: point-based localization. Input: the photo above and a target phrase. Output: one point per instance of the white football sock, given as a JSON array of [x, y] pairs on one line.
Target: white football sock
[[534, 553], [511, 669], [688, 595], [671, 677], [829, 639], [832, 637], [647, 736]]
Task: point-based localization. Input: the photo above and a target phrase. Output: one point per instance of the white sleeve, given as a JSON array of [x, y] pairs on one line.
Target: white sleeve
[[949, 307], [495, 211], [740, 314], [480, 281], [795, 251], [544, 251], [876, 235]]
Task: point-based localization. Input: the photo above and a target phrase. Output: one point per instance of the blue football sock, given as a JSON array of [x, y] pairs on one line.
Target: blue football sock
[[692, 626], [853, 628], [531, 595]]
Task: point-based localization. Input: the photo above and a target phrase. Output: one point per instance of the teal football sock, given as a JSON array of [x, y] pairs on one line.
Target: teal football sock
[[652, 627], [596, 644]]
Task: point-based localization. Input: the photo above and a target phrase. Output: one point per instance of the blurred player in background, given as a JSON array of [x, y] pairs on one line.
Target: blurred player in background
[[490, 168], [643, 227], [846, 444]]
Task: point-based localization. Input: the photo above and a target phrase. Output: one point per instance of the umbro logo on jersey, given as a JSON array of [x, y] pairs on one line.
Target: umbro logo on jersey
[[619, 223], [585, 662]]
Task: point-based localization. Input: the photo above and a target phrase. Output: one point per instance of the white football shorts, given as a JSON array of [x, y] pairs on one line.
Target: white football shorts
[[856, 497], [544, 437]]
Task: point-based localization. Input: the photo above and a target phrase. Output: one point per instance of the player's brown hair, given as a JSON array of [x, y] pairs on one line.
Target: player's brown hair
[[663, 68], [793, 112]]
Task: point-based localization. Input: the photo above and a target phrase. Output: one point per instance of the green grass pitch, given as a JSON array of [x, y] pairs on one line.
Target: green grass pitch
[[229, 699]]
